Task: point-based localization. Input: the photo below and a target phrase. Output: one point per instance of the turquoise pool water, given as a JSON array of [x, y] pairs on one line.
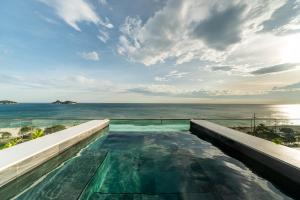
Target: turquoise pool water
[[154, 161]]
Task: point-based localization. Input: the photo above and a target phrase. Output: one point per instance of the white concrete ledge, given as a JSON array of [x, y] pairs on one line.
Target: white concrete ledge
[[283, 160], [17, 160]]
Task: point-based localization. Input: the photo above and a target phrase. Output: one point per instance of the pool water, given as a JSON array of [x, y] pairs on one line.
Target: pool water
[[141, 162]]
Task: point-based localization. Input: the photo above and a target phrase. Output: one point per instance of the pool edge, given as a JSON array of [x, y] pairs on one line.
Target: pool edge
[[33, 153], [285, 175]]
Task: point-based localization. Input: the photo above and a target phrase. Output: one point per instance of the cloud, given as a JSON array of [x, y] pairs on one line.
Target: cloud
[[276, 68], [166, 90], [176, 91], [76, 11], [222, 28], [160, 79], [294, 86], [103, 36], [285, 19], [171, 75], [22, 82], [46, 19], [93, 55], [76, 82], [221, 68], [9, 79], [182, 31], [128, 42]]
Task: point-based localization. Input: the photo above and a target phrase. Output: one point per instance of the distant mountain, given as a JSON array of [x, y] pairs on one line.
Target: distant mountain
[[7, 102], [64, 102]]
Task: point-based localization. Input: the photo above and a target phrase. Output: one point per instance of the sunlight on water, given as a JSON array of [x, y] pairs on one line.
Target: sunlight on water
[[290, 111]]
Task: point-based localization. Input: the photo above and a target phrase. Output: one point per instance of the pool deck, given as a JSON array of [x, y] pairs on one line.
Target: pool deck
[[22, 158], [283, 160]]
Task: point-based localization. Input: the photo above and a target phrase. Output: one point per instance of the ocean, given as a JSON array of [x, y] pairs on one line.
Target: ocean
[[25, 111], [116, 111]]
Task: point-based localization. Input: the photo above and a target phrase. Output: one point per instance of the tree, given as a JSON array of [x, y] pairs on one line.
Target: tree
[[54, 129], [290, 138], [25, 130], [287, 130], [5, 135], [265, 132], [37, 133]]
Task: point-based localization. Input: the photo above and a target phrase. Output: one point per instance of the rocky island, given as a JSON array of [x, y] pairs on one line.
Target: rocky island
[[64, 102], [7, 102]]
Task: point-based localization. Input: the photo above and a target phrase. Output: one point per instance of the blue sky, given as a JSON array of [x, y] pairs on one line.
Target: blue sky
[[190, 51]]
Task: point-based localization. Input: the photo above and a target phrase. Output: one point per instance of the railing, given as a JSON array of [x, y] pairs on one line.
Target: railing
[[15, 131], [279, 130], [250, 123]]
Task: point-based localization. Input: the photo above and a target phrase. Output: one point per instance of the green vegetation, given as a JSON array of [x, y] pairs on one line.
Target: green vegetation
[[285, 135], [287, 130], [265, 132], [277, 141], [64, 102], [37, 133], [12, 142], [289, 134], [54, 129], [27, 133], [5, 135], [290, 138], [7, 102], [26, 129]]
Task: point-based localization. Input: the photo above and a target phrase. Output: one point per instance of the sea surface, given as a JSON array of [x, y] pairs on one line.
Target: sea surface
[[288, 113], [116, 111]]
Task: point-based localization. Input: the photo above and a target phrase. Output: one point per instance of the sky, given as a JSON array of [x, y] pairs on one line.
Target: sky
[[150, 51]]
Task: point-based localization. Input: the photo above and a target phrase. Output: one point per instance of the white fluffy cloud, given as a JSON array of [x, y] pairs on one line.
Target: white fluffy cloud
[[93, 55], [76, 11], [186, 30]]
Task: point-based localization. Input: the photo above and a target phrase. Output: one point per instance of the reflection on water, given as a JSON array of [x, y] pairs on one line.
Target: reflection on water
[[288, 111]]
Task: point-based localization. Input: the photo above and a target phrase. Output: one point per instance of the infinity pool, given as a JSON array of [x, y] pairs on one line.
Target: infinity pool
[[155, 161]]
